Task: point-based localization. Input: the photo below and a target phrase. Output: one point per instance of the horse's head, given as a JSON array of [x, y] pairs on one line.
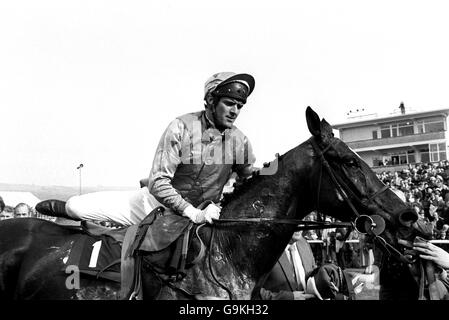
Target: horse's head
[[347, 189]]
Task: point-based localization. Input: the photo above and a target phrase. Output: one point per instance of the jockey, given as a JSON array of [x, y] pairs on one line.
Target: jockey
[[195, 158]]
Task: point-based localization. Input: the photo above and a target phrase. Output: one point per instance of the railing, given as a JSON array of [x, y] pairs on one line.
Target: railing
[[44, 217]]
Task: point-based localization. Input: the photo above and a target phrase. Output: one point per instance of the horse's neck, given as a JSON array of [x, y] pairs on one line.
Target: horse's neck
[[274, 193], [252, 249]]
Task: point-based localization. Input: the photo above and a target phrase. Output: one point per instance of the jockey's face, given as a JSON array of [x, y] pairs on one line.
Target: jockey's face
[[225, 112]]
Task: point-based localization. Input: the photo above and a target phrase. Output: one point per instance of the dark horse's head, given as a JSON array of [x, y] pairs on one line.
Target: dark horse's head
[[347, 189]]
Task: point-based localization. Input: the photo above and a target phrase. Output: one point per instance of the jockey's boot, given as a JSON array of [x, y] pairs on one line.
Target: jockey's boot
[[54, 208]]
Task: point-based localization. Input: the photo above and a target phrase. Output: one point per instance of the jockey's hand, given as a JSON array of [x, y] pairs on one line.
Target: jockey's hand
[[201, 216], [429, 251], [194, 214], [301, 295], [212, 211]]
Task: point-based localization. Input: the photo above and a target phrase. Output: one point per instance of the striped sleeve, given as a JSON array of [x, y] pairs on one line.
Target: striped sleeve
[[166, 160]]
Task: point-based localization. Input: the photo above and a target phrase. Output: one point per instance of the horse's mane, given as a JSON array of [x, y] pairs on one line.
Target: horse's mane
[[240, 188], [244, 186]]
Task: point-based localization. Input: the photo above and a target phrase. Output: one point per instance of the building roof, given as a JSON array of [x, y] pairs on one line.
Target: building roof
[[13, 198], [392, 117]]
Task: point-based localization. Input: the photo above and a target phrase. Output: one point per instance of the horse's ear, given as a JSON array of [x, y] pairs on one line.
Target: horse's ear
[[326, 129], [313, 122]]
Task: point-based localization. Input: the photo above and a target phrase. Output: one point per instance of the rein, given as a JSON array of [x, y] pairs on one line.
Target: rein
[[300, 224], [212, 270]]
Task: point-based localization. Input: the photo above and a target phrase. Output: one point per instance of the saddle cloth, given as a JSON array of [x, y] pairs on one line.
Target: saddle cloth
[[97, 256]]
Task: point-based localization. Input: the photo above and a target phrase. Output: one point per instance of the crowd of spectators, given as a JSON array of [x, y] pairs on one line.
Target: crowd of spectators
[[425, 187]]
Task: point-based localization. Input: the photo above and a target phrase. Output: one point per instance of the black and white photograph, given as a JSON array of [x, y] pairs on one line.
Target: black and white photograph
[[220, 155]]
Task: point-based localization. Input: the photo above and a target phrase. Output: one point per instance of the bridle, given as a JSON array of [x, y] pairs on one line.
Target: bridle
[[373, 225]]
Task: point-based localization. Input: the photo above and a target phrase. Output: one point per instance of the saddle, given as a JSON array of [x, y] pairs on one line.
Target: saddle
[[165, 243]]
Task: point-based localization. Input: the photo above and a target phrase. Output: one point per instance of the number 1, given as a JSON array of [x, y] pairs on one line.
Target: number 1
[[94, 255]]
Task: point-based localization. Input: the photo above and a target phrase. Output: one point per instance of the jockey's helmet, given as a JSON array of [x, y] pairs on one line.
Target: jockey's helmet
[[230, 84]]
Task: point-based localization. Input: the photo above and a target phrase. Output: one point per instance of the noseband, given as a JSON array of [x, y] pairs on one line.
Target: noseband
[[373, 225]]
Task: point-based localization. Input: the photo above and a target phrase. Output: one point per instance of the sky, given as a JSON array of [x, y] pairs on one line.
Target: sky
[[97, 82]]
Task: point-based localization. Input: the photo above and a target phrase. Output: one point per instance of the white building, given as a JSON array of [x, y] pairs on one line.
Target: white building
[[398, 139]]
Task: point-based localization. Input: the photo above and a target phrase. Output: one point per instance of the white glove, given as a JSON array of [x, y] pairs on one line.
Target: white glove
[[201, 216], [212, 211], [193, 214]]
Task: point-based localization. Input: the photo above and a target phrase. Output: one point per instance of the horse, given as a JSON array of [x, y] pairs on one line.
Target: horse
[[256, 223]]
